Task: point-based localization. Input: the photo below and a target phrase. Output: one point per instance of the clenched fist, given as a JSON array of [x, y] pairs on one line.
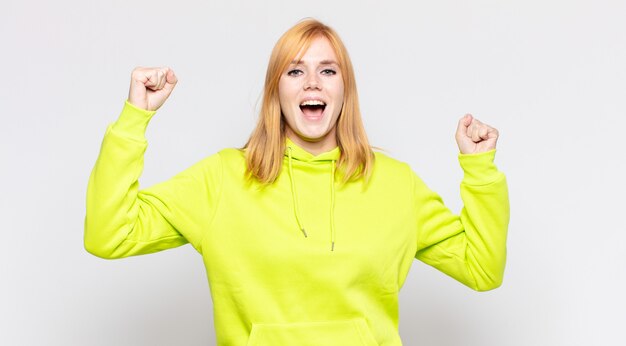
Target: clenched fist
[[474, 137], [151, 86]]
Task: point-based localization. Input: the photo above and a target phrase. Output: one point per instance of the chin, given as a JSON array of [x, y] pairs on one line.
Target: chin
[[313, 134], [313, 137]]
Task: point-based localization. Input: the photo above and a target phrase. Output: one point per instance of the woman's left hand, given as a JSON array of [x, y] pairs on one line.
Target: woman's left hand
[[474, 137]]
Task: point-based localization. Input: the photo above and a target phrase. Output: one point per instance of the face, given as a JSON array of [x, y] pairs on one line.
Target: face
[[311, 97]]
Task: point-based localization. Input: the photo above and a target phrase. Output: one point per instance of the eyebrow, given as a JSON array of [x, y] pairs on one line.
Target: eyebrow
[[323, 62]]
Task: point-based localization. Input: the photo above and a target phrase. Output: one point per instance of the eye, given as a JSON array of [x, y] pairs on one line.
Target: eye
[[329, 72], [294, 72]]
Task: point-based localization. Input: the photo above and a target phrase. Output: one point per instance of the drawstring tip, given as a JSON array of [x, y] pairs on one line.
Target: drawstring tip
[[332, 246], [305, 235]]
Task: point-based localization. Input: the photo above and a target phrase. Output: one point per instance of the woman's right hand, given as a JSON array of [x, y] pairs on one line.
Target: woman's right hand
[[151, 86]]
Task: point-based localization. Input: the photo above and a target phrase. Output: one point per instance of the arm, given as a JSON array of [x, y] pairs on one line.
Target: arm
[[470, 247], [122, 220]]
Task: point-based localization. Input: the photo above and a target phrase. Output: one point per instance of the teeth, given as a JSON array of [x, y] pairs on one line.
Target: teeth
[[312, 103]]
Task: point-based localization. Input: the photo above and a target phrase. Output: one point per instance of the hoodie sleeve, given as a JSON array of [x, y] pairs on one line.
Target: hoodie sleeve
[[470, 247], [121, 220]]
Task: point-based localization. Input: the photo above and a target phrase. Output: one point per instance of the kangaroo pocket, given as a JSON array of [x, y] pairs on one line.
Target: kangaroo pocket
[[354, 332]]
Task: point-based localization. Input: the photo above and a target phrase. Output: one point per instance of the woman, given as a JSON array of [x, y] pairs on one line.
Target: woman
[[306, 234]]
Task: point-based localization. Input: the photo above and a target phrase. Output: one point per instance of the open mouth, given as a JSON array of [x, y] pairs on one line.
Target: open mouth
[[313, 109]]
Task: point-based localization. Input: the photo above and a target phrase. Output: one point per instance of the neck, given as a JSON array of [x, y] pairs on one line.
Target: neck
[[314, 146]]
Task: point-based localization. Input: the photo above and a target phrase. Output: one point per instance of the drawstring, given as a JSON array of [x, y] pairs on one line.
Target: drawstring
[[332, 206], [294, 195]]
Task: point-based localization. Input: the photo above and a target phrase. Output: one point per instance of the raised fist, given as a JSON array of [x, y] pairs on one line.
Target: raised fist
[[151, 86], [473, 136]]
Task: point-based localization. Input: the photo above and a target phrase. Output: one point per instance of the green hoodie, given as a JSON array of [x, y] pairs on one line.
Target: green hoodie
[[305, 260]]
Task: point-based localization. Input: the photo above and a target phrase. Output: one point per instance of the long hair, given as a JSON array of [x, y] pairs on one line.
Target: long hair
[[266, 146]]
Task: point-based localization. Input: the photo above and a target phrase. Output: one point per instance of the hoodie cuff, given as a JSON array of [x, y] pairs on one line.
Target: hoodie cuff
[[133, 122], [479, 168]]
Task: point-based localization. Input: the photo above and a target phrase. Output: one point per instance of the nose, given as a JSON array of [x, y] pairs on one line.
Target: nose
[[312, 82]]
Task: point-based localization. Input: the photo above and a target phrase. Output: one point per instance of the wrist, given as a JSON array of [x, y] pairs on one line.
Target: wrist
[[479, 168], [133, 121]]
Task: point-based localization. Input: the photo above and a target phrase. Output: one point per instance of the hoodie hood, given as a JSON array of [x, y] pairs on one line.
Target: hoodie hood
[[297, 153]]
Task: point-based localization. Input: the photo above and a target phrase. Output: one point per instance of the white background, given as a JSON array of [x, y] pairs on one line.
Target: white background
[[550, 75]]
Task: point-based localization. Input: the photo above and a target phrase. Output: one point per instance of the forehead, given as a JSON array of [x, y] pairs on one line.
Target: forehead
[[320, 50]]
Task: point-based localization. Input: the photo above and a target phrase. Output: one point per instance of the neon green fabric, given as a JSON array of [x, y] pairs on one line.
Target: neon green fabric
[[306, 260]]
